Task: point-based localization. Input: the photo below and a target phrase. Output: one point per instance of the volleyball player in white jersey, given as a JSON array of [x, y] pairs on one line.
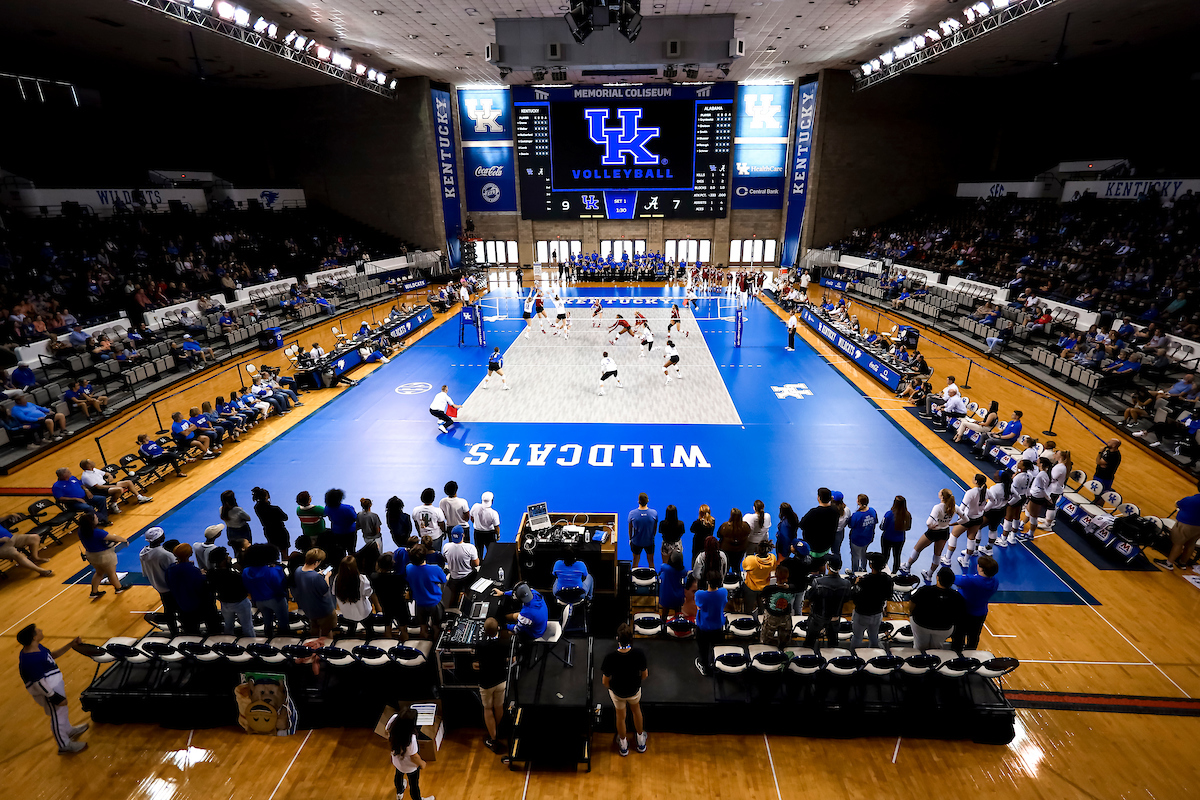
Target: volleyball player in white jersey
[[1021, 483], [690, 297], [937, 531], [1039, 498], [597, 313], [970, 514], [608, 369], [527, 313], [647, 341], [998, 498], [560, 314], [1058, 484], [672, 356]]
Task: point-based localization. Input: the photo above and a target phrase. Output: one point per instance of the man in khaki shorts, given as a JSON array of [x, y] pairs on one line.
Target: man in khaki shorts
[[624, 670], [1184, 534], [492, 661]]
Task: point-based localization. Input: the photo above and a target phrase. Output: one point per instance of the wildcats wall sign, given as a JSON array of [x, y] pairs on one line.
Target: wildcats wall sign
[[485, 122]]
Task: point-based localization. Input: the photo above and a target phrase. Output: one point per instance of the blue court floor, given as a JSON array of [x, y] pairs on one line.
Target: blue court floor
[[378, 439]]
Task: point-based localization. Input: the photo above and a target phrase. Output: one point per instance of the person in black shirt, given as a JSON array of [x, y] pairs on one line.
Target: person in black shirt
[[389, 587], [671, 528], [819, 525], [492, 656], [704, 527], [624, 670], [826, 597], [272, 518], [1107, 461], [934, 610], [227, 585], [870, 594]]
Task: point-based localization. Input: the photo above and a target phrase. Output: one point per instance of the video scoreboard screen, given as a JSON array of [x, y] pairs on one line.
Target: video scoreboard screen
[[623, 152]]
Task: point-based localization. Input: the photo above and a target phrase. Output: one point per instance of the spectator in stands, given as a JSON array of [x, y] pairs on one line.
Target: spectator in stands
[[265, 394], [267, 584], [195, 355], [1008, 435], [976, 590], [82, 397], [99, 551], [272, 519], [184, 433], [102, 484], [455, 509], [643, 526], [950, 390], [28, 413], [191, 592], [70, 493], [354, 594], [312, 518], [205, 426], [1108, 460], [870, 593], [623, 671], [826, 596], [153, 455], [400, 524], [1003, 336], [757, 569], [862, 534], [424, 583], [1141, 404], [934, 610], [819, 525], [530, 621], [710, 619], [987, 309], [154, 560], [370, 524], [229, 588], [22, 377], [12, 546], [313, 595], [203, 550], [990, 421], [670, 527], [462, 559], [389, 588], [704, 526], [237, 521], [77, 338], [672, 581], [343, 522]]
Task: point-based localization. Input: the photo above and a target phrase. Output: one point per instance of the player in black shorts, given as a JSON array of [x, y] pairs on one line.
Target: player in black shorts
[[620, 326], [608, 369], [675, 322], [496, 365], [672, 356], [597, 313]]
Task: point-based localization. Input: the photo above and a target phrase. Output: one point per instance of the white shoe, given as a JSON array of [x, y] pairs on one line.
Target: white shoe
[[144, 499], [927, 576], [600, 393], [1001, 542], [1012, 538], [507, 387], [668, 380], [964, 561], [442, 428], [526, 334]]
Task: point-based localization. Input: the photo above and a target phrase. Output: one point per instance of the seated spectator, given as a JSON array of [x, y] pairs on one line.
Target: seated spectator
[[571, 573], [154, 455], [205, 426], [184, 433], [13, 545], [1141, 404], [70, 493], [100, 483], [22, 377], [195, 355], [529, 621]]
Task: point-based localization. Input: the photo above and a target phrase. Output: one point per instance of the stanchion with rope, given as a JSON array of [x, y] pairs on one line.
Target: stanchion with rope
[[1052, 418], [161, 428], [966, 384]]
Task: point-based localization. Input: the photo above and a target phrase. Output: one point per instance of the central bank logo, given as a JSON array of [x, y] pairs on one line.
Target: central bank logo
[[491, 192], [627, 139], [763, 114], [483, 115]]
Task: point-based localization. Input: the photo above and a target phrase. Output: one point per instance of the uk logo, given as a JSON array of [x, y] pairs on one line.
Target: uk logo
[[484, 116], [629, 139], [796, 390], [742, 168], [763, 114]]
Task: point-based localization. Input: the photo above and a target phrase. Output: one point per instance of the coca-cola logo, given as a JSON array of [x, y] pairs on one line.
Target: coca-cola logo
[[489, 172]]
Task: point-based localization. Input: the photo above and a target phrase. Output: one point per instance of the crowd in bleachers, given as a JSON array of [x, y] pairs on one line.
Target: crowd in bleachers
[[1118, 258]]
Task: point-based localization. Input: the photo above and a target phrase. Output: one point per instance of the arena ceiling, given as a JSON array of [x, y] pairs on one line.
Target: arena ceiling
[[80, 39]]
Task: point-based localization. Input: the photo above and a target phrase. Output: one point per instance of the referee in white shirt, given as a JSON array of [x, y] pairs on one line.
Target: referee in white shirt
[[791, 328], [438, 409]]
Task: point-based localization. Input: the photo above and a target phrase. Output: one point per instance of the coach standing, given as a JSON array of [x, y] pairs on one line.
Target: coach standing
[[791, 326], [1107, 461]]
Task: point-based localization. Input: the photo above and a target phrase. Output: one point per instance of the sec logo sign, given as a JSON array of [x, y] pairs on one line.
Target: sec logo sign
[[490, 192], [413, 388]]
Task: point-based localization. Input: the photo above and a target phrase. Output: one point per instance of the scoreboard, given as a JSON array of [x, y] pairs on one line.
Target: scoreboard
[[623, 152]]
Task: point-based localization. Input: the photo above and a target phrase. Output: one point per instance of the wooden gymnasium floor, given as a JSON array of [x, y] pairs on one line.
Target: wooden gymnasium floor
[[1139, 641]]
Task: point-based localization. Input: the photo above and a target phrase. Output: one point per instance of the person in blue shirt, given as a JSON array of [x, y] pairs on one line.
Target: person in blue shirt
[[192, 593], [862, 534], [267, 584], [571, 573], [1007, 436], [1126, 330], [154, 455], [44, 682], [643, 526], [28, 413], [672, 585], [530, 621], [343, 523], [976, 590], [896, 522], [184, 433], [496, 365], [787, 531], [424, 583], [194, 354], [70, 493], [81, 397], [710, 620], [1184, 534], [205, 426], [22, 377], [96, 551], [77, 337], [227, 323], [990, 318]]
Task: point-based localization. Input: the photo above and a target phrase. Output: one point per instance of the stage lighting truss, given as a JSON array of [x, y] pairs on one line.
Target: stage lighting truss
[[975, 20], [232, 21]]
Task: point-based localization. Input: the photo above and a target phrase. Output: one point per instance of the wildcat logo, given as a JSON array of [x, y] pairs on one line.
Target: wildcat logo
[[629, 139], [762, 113], [742, 168], [484, 116], [268, 197], [797, 390]]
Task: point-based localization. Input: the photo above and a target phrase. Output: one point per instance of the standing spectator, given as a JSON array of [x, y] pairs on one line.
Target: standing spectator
[[624, 669], [710, 619], [934, 611], [733, 536], [399, 524], [976, 590], [760, 526], [756, 571], [70, 493], [192, 593], [711, 559], [312, 518], [777, 604], [492, 662], [1184, 534], [313, 596], [1107, 461], [267, 584], [787, 530], [462, 559], [154, 561], [429, 519], [703, 527], [487, 523], [819, 524], [370, 524], [424, 583], [643, 524], [44, 682], [896, 522], [353, 593], [203, 550], [390, 587], [343, 523], [455, 509], [672, 580], [862, 533], [838, 501], [272, 519], [791, 329], [826, 597], [229, 588], [407, 761], [98, 550], [870, 594], [670, 527], [237, 521]]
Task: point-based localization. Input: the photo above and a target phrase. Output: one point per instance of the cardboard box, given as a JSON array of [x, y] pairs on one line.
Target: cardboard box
[[429, 736]]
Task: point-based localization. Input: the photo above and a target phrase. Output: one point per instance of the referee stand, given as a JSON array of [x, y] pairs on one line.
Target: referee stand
[[470, 315]]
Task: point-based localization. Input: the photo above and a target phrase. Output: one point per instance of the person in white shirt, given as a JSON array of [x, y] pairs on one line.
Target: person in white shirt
[[464, 294], [760, 526], [804, 279], [937, 400], [441, 401], [462, 559], [429, 519], [317, 352], [954, 407], [672, 356], [455, 509], [100, 482], [608, 369], [560, 316], [647, 341], [486, 521], [1058, 484], [527, 312], [1030, 451], [970, 515], [791, 329], [937, 531]]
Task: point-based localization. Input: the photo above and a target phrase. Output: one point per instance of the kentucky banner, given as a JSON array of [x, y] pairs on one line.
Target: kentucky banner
[[485, 124], [806, 110], [760, 146], [443, 135]]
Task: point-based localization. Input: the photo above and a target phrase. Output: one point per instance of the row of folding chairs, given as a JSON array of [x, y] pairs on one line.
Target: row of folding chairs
[[246, 652], [735, 659], [1072, 372]]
